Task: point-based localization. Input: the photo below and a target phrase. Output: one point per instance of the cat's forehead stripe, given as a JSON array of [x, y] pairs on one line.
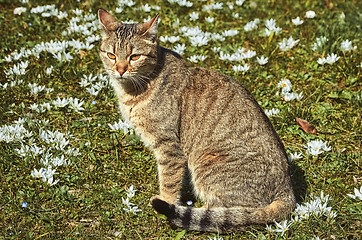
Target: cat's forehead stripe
[[126, 31]]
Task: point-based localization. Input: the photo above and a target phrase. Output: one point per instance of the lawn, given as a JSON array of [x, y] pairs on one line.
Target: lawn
[[70, 168]]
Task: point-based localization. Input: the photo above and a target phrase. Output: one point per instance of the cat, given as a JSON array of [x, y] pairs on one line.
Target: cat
[[199, 122]]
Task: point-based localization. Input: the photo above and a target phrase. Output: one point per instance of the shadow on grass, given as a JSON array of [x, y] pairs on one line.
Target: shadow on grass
[[298, 182]]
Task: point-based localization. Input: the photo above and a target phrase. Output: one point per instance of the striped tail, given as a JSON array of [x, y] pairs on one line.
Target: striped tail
[[221, 219]]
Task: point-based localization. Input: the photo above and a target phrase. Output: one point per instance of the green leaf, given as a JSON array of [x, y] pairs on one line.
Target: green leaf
[[180, 235]]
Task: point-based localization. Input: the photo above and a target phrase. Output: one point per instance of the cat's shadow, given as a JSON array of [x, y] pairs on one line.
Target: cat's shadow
[[298, 181]]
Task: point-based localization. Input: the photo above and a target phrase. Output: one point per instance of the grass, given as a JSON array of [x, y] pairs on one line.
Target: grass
[[86, 203]]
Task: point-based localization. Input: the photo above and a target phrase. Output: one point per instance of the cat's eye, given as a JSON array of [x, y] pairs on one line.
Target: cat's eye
[[111, 56], [135, 57]]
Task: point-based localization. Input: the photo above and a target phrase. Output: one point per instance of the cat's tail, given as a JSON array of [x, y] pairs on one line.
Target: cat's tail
[[221, 219]]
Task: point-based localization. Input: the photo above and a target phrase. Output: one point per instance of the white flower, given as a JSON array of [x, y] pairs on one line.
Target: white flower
[[346, 46], [239, 2], [35, 88], [124, 126], [198, 41], [19, 69], [183, 3], [282, 227], [23, 151], [92, 91], [77, 11], [317, 147], [194, 16], [209, 19], [287, 44], [330, 59], [230, 33], [51, 182], [19, 10], [197, 58], [75, 104], [252, 25], [60, 102], [239, 68], [310, 14], [127, 202], [321, 61], [180, 48], [271, 112], [297, 21], [212, 6], [286, 85], [262, 60], [248, 54], [92, 38], [271, 27], [269, 228], [133, 210], [171, 39], [36, 150], [293, 156], [38, 174], [289, 96], [62, 56], [131, 192], [318, 45], [357, 194], [49, 70]]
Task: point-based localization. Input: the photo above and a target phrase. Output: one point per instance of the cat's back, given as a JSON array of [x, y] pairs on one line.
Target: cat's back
[[218, 113]]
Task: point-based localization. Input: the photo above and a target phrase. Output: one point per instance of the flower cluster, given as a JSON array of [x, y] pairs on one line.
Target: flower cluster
[[330, 59], [238, 56], [317, 147], [48, 11], [346, 46], [14, 132], [52, 148], [287, 44], [319, 43], [317, 206], [271, 27], [272, 112], [47, 175], [197, 58], [286, 87], [92, 86], [252, 25], [124, 126], [130, 207]]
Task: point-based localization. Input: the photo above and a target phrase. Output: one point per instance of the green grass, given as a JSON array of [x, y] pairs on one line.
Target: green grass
[[86, 203]]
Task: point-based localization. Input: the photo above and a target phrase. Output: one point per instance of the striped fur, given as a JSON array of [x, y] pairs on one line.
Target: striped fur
[[199, 121]]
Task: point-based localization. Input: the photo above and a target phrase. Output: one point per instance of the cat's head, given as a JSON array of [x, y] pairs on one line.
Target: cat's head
[[128, 51]]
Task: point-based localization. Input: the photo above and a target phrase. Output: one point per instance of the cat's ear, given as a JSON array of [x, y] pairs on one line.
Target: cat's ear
[[149, 29], [108, 22]]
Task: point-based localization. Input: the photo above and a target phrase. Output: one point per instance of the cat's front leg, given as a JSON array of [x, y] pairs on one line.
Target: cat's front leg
[[171, 168]]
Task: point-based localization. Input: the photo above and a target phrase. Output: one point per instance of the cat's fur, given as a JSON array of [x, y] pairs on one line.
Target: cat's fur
[[202, 121]]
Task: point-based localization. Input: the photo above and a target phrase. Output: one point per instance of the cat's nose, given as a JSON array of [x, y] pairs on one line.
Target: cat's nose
[[121, 70]]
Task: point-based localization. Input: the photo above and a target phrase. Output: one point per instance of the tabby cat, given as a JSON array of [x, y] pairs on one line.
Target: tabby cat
[[201, 122]]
